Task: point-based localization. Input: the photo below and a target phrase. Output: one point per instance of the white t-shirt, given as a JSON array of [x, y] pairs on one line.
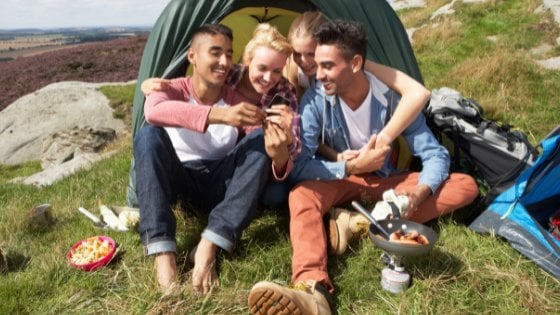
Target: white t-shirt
[[302, 79], [214, 144], [358, 122]]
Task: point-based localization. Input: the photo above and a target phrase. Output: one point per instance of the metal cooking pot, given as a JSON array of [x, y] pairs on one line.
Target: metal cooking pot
[[400, 249], [379, 232]]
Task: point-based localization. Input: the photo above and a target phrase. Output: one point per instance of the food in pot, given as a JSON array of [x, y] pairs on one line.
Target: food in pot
[[410, 237]]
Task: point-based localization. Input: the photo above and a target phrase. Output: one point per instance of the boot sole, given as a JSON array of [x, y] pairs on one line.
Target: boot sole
[[266, 301]]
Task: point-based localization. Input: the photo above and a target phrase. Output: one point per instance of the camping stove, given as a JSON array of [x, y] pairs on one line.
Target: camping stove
[[394, 278]]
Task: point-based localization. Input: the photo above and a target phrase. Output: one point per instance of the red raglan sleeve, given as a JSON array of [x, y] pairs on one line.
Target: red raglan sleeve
[[175, 107]]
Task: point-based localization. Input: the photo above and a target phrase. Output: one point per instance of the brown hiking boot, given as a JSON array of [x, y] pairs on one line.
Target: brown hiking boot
[[306, 298], [343, 226]]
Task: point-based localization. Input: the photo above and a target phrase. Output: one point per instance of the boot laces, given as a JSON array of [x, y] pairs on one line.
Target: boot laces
[[303, 286], [363, 228]]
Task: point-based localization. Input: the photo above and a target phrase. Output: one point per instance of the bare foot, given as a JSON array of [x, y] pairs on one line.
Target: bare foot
[[166, 269], [204, 275]]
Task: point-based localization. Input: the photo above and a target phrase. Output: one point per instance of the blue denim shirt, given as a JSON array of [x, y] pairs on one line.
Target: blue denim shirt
[[322, 121]]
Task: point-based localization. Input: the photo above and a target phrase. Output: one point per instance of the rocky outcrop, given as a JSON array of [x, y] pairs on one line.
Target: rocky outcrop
[[65, 125], [61, 147]]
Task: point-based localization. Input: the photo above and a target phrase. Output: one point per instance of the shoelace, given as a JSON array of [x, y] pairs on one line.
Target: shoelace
[[363, 228], [302, 286]]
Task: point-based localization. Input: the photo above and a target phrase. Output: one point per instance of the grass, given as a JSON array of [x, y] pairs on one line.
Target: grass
[[466, 273], [120, 99], [484, 51]]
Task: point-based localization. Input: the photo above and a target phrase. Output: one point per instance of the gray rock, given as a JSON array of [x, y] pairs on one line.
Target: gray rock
[[65, 125], [53, 109], [63, 146], [542, 49], [405, 4], [550, 63], [492, 38], [57, 172], [554, 7], [444, 10]]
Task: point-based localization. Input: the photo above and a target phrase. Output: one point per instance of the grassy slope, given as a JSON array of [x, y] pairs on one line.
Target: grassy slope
[[466, 272], [456, 51]]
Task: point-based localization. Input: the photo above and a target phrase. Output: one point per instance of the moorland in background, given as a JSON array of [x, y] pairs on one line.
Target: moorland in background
[[111, 60], [24, 42]]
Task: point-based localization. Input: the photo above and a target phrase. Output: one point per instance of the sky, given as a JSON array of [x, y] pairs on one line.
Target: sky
[[15, 14]]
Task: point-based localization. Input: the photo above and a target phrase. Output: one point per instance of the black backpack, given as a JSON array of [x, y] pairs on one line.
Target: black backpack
[[493, 153]]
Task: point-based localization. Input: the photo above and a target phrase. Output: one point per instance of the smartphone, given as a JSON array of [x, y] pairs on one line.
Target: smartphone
[[278, 100]]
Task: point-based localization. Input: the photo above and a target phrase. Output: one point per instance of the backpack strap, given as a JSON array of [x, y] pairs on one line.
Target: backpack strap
[[493, 192]]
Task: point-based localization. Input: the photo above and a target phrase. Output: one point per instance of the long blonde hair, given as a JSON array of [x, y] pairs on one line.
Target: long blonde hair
[[306, 24], [266, 35], [302, 27]]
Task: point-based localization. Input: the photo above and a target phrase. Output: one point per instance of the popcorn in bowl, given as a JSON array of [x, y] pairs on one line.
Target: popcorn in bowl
[[92, 253]]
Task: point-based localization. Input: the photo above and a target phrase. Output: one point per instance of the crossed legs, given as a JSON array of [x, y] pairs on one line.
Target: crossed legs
[[310, 200]]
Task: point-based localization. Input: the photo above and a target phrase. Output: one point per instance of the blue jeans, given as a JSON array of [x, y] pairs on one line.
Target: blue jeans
[[225, 190], [275, 194]]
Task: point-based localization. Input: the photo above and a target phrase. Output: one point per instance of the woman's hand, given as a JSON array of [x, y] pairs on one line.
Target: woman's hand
[[276, 145], [278, 135], [369, 159], [347, 155], [151, 85], [283, 116]]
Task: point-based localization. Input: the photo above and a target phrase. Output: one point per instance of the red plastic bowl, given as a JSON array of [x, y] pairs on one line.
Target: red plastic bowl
[[93, 265]]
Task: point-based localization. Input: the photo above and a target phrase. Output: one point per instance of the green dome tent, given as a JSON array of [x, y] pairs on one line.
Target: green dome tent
[[165, 51]]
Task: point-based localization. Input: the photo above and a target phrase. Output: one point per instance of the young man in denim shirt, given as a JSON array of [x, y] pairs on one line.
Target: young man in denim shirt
[[347, 112]]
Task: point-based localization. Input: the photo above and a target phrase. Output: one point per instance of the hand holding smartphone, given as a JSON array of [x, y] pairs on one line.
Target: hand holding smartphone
[[277, 100]]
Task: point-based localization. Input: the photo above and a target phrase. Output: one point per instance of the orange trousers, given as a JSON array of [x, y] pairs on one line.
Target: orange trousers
[[310, 201]]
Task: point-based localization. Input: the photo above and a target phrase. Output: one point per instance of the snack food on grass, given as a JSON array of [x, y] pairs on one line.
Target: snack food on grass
[[90, 250]]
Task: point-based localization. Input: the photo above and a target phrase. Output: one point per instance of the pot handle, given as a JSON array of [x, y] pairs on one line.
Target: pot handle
[[396, 211], [370, 218]]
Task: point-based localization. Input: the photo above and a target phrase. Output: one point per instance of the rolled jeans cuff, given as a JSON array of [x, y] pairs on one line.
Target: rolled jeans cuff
[[161, 247], [218, 240]]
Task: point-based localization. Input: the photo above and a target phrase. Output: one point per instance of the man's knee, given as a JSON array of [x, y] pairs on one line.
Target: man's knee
[[462, 187], [149, 139], [255, 141], [304, 194], [464, 182]]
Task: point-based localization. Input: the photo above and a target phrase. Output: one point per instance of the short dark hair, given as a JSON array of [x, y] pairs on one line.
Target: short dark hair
[[213, 29], [349, 36]]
